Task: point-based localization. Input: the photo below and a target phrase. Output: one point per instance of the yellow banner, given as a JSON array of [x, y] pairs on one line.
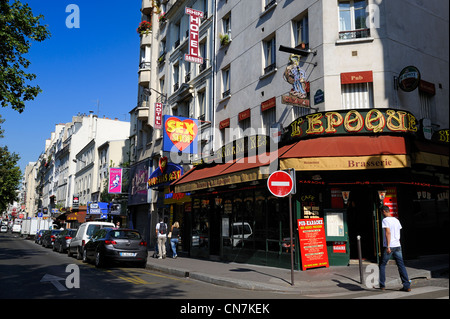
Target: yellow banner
[[346, 163]]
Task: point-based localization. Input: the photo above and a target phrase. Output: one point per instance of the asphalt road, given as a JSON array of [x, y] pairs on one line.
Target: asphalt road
[[30, 271]]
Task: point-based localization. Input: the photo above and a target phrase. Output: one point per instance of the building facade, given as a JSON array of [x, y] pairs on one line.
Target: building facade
[[352, 93]]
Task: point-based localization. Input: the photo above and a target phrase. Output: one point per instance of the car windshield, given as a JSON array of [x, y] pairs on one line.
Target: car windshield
[[125, 234]]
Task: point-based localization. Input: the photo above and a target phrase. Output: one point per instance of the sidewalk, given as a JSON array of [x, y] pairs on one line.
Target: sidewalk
[[253, 277]]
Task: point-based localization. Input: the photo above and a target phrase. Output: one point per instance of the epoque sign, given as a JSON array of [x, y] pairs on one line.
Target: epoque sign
[[352, 122]]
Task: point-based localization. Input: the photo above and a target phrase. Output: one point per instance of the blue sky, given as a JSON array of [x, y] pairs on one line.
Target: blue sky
[[75, 68]]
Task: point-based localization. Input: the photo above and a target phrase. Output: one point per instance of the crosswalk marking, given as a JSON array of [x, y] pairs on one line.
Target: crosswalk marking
[[401, 294]]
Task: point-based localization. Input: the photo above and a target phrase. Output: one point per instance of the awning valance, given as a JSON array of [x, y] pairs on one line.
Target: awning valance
[[347, 153]]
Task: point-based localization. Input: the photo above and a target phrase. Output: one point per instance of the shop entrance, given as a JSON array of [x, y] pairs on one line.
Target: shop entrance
[[361, 218]]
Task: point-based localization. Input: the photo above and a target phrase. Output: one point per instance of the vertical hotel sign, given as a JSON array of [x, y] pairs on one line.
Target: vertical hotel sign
[[194, 27], [158, 116], [115, 181]]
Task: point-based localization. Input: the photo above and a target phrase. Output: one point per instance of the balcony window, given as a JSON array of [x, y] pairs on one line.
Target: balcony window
[[270, 55], [352, 20], [226, 82], [301, 33]]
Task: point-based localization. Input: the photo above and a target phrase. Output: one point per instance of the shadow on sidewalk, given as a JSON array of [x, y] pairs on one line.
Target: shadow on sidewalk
[[258, 272]]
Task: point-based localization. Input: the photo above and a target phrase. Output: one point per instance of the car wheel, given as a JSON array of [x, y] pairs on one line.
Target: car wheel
[[69, 254], [79, 254], [98, 259], [85, 259]]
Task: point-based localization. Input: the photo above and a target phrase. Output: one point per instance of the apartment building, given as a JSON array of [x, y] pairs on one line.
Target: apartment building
[[168, 85], [352, 95]]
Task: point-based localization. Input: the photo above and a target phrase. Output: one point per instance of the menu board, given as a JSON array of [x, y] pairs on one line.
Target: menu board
[[313, 246]]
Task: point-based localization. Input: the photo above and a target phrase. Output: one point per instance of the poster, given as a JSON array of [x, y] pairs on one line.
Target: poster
[[313, 246], [115, 181], [390, 200]]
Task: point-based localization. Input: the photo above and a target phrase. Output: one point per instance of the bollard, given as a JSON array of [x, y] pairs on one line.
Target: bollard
[[360, 258]]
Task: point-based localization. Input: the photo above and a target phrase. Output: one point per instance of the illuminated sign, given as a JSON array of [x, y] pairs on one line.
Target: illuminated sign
[[352, 122], [162, 177], [180, 134]]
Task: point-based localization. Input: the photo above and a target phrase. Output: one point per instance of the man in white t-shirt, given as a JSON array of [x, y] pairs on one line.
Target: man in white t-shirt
[[391, 242]]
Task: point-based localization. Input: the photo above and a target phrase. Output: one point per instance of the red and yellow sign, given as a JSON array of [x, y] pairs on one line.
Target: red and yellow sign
[[180, 134], [313, 245]]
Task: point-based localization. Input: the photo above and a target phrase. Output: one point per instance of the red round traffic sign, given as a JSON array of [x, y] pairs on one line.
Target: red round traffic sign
[[280, 183]]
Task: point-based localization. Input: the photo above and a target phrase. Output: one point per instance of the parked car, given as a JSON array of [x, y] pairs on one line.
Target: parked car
[[38, 238], [84, 233], [3, 229], [48, 238], [16, 228], [116, 245], [63, 240]]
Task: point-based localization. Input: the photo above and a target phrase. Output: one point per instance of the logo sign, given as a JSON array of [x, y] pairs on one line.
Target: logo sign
[[75, 201], [115, 181], [180, 134], [158, 116], [280, 183], [163, 176], [194, 27], [409, 78]]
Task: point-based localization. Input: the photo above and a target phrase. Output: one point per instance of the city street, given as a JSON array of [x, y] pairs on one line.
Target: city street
[[30, 271]]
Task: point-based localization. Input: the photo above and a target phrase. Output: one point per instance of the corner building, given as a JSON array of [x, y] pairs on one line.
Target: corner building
[[352, 95]]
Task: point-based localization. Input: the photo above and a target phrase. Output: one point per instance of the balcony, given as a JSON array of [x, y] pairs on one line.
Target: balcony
[[143, 111], [147, 6], [146, 39], [354, 34], [144, 73]]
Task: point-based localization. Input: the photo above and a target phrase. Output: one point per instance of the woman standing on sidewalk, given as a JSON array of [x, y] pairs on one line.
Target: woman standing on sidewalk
[[174, 239]]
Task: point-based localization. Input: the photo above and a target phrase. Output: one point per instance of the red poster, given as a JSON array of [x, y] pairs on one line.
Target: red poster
[[390, 200], [313, 245]]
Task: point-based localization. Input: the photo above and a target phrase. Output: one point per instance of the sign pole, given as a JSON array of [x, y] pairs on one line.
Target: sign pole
[[292, 241]]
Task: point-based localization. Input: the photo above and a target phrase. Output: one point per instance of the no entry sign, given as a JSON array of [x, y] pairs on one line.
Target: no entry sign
[[280, 183]]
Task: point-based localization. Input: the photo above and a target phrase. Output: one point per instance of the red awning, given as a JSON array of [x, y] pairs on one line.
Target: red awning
[[347, 153]]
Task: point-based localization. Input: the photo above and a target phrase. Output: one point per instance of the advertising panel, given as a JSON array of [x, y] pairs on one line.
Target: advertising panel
[[115, 181], [313, 245], [180, 134]]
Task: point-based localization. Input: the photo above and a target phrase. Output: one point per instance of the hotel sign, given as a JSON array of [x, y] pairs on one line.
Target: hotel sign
[[352, 122], [194, 27]]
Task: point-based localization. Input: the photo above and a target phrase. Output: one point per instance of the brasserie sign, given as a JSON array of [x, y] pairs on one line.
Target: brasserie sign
[[344, 122]]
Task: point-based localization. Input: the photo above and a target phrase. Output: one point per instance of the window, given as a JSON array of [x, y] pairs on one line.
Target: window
[[352, 19], [226, 82], [301, 33], [270, 55], [202, 105], [426, 105], [269, 117], [176, 77], [357, 95]]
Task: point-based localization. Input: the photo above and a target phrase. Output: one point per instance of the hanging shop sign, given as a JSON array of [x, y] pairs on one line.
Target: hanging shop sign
[[115, 181], [409, 78], [313, 245], [352, 122], [296, 76], [165, 174], [180, 134], [195, 17]]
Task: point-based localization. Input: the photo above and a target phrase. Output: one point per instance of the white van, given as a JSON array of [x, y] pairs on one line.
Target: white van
[[84, 233]]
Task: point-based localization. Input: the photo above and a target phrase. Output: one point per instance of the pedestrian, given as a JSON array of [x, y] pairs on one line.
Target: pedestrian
[[161, 234], [391, 242], [174, 238]]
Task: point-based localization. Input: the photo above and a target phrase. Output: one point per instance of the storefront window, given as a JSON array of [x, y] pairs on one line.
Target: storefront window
[[200, 223]]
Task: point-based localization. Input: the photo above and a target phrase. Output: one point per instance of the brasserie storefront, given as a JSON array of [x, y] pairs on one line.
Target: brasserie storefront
[[347, 164]]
